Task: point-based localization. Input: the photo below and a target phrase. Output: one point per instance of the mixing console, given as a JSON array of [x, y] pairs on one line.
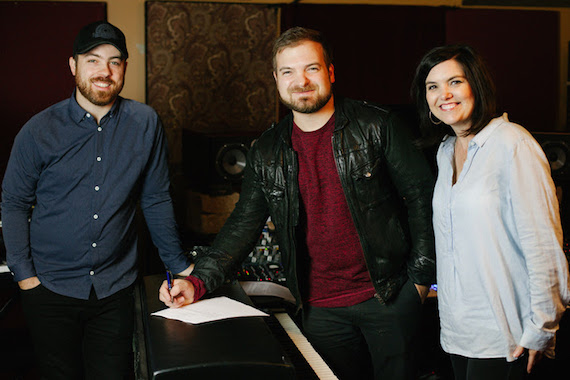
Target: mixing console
[[264, 262]]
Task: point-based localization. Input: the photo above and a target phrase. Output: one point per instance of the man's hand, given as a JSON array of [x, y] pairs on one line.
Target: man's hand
[[182, 293], [422, 291], [29, 283], [533, 356]]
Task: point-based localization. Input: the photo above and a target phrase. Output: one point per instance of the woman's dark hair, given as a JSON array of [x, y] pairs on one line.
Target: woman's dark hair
[[295, 36], [478, 77]]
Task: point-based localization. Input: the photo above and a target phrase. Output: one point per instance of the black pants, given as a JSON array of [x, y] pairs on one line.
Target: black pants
[[80, 339], [369, 340], [489, 369]]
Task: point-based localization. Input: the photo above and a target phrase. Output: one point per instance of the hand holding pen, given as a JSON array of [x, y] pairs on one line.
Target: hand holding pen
[[176, 292], [169, 281]]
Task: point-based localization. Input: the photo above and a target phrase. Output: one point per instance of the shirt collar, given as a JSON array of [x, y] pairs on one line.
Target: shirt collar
[[480, 138], [79, 114], [483, 135]]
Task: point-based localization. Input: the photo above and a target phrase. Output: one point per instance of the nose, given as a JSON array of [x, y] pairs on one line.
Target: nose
[[105, 70], [302, 79], [446, 93]]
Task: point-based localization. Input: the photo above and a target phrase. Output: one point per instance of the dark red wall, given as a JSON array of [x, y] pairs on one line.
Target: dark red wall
[[376, 51], [378, 47], [522, 50], [37, 40]]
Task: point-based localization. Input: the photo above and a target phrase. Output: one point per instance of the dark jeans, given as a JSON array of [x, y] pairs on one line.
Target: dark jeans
[[369, 340], [489, 369], [80, 339]]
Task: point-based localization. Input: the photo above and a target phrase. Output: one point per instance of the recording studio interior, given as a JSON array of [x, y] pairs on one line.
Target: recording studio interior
[[205, 67]]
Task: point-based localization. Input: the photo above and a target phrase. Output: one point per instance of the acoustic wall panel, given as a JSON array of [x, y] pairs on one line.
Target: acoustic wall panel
[[209, 68]]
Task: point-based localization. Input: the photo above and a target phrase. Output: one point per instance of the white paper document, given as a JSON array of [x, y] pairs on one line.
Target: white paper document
[[212, 309]]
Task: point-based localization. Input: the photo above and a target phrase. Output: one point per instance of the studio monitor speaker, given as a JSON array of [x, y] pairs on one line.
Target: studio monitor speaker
[[214, 164], [230, 160], [556, 146]]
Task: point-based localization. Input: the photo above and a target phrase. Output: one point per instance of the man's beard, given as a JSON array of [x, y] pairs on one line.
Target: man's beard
[[99, 98], [306, 105]]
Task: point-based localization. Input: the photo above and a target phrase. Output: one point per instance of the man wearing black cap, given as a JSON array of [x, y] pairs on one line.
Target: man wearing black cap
[[75, 175]]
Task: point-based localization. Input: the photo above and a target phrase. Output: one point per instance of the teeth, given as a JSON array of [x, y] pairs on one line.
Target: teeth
[[448, 106]]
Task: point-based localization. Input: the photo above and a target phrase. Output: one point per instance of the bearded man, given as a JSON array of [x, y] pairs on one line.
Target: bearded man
[[69, 195], [350, 198]]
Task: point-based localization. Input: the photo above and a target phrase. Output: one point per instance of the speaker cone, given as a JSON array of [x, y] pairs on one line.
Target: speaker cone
[[230, 161], [557, 154]]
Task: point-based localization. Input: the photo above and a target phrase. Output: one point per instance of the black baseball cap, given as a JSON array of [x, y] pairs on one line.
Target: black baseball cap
[[98, 33]]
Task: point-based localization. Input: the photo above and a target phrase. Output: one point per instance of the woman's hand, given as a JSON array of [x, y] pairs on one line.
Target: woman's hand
[[533, 356]]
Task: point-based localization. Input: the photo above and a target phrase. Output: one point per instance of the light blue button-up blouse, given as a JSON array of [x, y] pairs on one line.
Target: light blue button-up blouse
[[502, 275]]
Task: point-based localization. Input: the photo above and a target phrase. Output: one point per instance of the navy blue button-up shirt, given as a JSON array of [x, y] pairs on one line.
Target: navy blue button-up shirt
[[70, 192]]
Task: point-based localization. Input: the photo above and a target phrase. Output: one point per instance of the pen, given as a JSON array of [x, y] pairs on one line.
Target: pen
[[169, 281]]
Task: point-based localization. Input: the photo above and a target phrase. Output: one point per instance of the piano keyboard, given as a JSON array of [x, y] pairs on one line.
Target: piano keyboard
[[318, 365]]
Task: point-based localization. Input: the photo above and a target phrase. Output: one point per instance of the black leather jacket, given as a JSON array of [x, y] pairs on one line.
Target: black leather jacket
[[388, 186]]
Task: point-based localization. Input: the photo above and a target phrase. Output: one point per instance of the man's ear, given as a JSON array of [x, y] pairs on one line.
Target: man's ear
[[331, 73], [275, 76], [72, 65]]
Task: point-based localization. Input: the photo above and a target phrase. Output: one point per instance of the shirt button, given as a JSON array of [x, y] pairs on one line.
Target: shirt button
[[95, 216], [91, 273], [98, 158], [99, 129], [88, 115], [94, 245], [96, 188], [368, 175]]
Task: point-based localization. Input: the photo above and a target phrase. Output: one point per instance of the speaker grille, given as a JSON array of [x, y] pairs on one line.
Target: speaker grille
[[230, 161], [214, 164], [556, 147]]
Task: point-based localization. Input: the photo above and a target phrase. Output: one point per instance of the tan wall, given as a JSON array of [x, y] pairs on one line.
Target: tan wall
[[129, 16]]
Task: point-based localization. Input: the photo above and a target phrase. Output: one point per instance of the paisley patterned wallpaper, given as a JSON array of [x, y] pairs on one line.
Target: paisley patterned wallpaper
[[209, 68]]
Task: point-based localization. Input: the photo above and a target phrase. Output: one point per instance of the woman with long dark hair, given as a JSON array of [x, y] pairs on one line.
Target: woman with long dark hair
[[502, 276]]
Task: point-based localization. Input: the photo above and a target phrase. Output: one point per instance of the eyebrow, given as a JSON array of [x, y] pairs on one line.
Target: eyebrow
[[450, 78], [100, 56], [291, 68]]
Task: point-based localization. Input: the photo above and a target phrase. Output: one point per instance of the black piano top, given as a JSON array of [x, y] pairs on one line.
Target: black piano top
[[237, 348]]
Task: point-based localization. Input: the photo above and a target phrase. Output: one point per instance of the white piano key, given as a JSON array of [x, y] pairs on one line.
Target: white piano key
[[313, 358]]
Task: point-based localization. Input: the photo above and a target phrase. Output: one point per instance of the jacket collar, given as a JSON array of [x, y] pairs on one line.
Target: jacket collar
[[286, 124], [340, 117]]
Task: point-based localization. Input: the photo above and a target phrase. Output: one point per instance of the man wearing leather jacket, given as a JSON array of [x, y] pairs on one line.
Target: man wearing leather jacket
[[350, 197]]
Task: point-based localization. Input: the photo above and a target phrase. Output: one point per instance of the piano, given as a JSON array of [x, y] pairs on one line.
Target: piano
[[239, 348]]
